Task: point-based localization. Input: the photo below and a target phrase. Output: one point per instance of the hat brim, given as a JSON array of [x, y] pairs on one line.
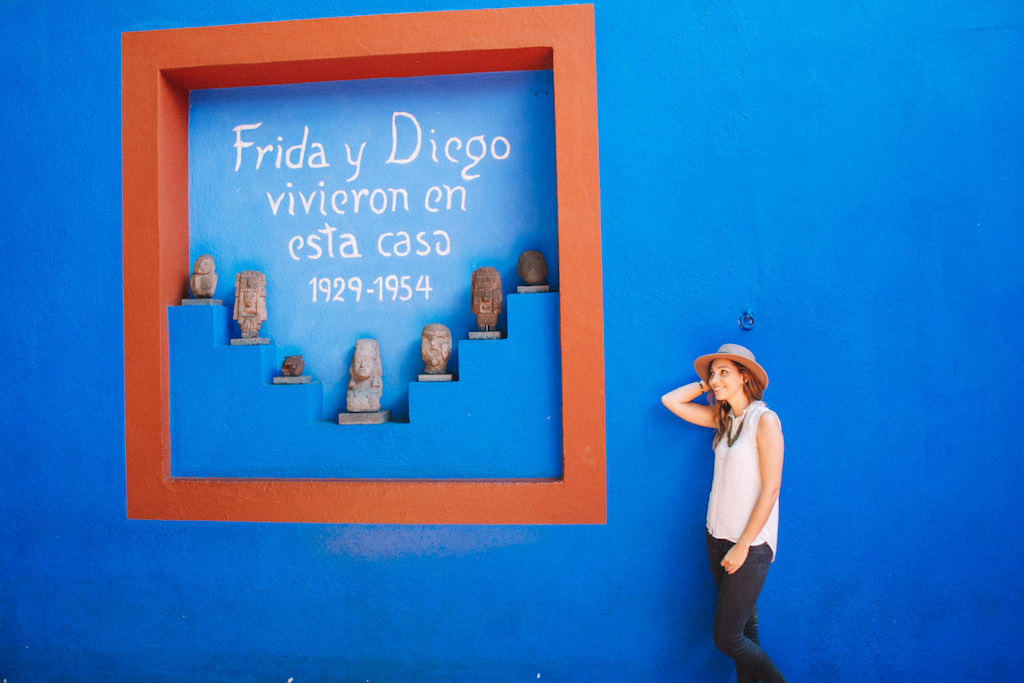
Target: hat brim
[[703, 365]]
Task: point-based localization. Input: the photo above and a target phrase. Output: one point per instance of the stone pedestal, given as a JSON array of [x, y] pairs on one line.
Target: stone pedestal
[[301, 379], [250, 341], [493, 334], [379, 417], [532, 289], [202, 302], [436, 378]]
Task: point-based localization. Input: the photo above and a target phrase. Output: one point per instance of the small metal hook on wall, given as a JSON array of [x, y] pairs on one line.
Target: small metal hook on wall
[[747, 320]]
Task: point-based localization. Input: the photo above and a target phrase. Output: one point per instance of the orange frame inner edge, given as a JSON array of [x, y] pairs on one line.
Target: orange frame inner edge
[[159, 68]]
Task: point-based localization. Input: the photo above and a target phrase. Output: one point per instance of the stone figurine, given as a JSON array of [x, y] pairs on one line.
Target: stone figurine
[[435, 348], [365, 385], [250, 302], [291, 372], [533, 269], [204, 277], [293, 366], [486, 297]]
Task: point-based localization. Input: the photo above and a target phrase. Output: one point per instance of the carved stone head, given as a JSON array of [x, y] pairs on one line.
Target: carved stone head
[[533, 269], [486, 297], [365, 386], [293, 366], [204, 277], [366, 360], [435, 348]]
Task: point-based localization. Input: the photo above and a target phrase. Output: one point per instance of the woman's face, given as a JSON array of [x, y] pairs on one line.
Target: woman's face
[[725, 380]]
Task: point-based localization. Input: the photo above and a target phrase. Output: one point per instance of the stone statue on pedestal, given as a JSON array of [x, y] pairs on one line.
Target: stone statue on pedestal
[[435, 349], [533, 269], [487, 298], [250, 302], [291, 372], [204, 277], [365, 385]]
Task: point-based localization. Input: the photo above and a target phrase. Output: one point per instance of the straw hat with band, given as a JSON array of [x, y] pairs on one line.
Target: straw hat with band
[[737, 354]]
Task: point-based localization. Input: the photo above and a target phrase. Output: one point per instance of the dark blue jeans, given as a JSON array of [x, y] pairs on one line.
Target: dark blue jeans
[[735, 627]]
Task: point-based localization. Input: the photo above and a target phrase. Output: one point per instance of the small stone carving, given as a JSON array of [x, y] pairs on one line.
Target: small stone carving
[[291, 372], [293, 366], [204, 277], [533, 268], [365, 385], [435, 349], [250, 302], [487, 299]]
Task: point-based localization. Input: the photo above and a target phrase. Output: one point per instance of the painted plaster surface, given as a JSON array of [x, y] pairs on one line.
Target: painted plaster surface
[[369, 203], [851, 172]]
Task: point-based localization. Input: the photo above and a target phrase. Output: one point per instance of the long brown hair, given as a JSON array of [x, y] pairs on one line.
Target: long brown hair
[[753, 389]]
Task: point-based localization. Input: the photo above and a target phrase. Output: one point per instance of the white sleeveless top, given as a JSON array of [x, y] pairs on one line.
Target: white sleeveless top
[[737, 483]]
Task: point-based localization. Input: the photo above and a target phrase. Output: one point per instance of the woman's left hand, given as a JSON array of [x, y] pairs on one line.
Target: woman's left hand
[[735, 558]]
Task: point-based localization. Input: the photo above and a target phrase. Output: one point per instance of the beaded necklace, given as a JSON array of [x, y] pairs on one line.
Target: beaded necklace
[[729, 438]]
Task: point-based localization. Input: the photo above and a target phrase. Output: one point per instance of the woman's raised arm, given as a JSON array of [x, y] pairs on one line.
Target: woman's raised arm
[[680, 402]]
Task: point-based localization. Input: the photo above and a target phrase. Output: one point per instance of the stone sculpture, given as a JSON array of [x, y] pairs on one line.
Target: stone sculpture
[[533, 269], [293, 366], [204, 277], [435, 349], [250, 302], [291, 371], [365, 385], [487, 299]]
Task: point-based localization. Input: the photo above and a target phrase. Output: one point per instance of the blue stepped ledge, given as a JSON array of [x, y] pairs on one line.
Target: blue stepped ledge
[[502, 419]]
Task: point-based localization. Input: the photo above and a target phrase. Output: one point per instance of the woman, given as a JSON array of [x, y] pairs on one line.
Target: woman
[[743, 509]]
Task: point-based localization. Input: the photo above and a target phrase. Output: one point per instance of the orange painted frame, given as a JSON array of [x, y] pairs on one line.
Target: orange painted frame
[[159, 68]]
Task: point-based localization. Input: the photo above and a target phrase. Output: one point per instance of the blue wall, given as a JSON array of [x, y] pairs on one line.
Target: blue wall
[[506, 206], [851, 172]]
